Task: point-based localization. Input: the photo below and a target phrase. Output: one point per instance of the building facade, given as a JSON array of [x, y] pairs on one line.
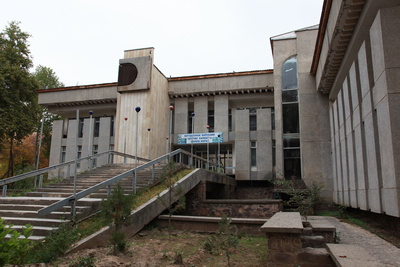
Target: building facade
[[327, 111]]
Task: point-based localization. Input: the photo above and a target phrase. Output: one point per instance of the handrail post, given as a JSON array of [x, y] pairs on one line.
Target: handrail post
[[41, 181], [108, 190], [69, 171], [4, 193], [153, 172], [134, 183]]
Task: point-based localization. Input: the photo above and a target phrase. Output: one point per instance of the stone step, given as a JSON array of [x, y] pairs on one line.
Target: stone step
[[45, 200], [34, 214], [28, 207], [36, 231], [32, 237], [313, 241], [351, 255], [34, 221]]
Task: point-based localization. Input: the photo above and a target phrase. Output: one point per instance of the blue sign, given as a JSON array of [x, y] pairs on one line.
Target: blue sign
[[200, 138]]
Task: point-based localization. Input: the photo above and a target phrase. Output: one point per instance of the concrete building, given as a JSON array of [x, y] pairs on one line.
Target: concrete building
[[326, 111]]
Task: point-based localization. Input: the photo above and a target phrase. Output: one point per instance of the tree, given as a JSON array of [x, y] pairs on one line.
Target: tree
[[47, 79], [19, 110]]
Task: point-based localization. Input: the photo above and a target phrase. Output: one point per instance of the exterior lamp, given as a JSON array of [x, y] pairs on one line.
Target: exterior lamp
[[171, 108], [191, 150], [208, 148], [137, 109], [90, 139], [148, 142], [126, 119]]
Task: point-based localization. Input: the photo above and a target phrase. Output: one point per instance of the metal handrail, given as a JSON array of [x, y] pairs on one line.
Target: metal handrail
[[67, 201], [23, 176]]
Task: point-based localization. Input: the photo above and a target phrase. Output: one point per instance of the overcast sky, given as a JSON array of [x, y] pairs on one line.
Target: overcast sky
[[82, 41]]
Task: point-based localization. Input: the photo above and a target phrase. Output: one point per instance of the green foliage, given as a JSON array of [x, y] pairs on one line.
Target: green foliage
[[55, 244], [225, 240], [19, 110], [14, 250], [47, 79], [116, 209], [173, 193], [305, 199], [84, 261]]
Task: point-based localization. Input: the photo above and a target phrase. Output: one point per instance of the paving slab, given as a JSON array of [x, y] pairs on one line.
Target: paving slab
[[383, 252], [346, 255]]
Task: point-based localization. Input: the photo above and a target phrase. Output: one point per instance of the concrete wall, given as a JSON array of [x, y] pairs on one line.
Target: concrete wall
[[315, 136], [364, 119], [154, 114]]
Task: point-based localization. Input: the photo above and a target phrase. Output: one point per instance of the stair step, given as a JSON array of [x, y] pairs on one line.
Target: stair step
[[34, 221]]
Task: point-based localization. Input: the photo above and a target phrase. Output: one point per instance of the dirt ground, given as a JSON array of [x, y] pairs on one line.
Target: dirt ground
[[154, 247]]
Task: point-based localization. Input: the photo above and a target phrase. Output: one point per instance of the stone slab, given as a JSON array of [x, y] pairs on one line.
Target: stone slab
[[351, 255], [322, 226], [284, 222]]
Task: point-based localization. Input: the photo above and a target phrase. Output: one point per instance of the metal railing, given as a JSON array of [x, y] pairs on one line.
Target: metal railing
[[5, 182], [180, 156]]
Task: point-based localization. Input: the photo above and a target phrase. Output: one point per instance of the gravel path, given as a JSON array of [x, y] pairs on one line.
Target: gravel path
[[381, 250]]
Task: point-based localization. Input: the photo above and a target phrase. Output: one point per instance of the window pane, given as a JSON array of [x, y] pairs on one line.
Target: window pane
[[290, 114], [292, 168], [289, 96], [289, 74], [291, 140], [253, 154], [253, 122]]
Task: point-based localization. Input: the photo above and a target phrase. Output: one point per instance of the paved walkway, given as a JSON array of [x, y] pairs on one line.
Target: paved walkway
[[384, 252]]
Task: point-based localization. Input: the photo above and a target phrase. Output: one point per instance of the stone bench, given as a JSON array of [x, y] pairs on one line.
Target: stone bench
[[323, 228], [351, 255], [284, 231]]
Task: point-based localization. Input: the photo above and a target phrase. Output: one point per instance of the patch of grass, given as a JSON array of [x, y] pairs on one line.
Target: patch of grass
[[95, 223]]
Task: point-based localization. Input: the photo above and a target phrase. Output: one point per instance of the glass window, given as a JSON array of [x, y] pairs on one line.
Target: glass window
[[95, 151], [112, 126], [290, 96], [253, 119], [253, 148], [96, 127], [78, 165], [63, 153], [289, 74], [290, 114], [273, 118], [211, 120], [190, 120], [80, 133], [230, 120]]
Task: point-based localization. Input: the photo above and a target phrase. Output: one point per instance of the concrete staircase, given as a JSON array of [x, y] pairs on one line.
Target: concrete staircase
[[20, 211]]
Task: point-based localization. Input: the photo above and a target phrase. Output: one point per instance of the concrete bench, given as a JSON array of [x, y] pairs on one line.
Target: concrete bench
[[323, 228], [351, 255], [284, 222], [283, 231]]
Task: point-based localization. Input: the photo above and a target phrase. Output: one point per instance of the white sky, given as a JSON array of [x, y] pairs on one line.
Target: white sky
[[82, 41]]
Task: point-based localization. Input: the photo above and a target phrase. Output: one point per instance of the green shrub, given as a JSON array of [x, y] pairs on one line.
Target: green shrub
[[116, 209], [225, 240], [15, 249], [55, 244]]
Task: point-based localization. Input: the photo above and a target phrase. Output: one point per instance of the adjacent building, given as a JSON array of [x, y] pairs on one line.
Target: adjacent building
[[327, 110]]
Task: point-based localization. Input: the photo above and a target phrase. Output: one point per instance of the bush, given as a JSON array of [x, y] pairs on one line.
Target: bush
[[54, 245], [116, 209], [305, 199], [225, 240], [14, 250]]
